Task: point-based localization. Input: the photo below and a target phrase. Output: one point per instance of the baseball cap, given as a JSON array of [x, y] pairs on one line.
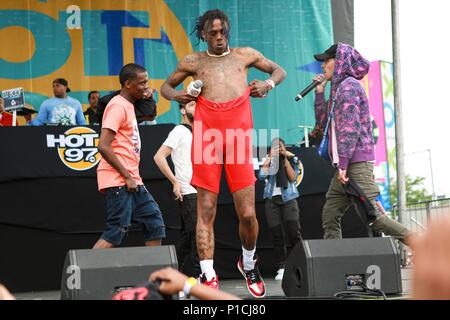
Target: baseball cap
[[330, 53], [63, 82]]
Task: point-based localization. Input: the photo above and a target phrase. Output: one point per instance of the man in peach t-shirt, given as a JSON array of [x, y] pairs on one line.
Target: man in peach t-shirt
[[118, 172]]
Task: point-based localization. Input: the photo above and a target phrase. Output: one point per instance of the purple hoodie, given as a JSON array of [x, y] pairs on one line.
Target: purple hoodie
[[351, 112]]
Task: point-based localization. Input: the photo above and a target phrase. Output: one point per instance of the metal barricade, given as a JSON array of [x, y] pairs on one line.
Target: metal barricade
[[417, 216]]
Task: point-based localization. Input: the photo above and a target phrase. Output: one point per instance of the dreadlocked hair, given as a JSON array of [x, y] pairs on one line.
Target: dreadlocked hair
[[205, 21]]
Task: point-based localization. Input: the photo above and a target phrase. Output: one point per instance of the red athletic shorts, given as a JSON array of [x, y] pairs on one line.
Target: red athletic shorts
[[222, 134]]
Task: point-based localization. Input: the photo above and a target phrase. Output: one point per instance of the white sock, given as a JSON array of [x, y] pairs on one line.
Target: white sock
[[248, 262], [208, 269]]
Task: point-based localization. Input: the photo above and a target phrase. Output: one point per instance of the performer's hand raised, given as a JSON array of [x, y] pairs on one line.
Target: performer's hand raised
[[323, 82]]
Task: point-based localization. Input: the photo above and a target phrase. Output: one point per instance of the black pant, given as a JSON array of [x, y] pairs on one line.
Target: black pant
[[187, 245], [277, 214]]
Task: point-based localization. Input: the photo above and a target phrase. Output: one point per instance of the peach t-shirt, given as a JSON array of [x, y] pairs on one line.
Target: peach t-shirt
[[119, 116]]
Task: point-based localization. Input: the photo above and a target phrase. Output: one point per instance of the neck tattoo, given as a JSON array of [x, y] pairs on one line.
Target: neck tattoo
[[218, 55]]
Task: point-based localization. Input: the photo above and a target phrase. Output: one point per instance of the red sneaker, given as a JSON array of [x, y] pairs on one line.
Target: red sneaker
[[255, 283], [213, 283]]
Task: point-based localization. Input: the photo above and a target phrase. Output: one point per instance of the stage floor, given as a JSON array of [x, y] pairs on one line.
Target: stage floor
[[236, 287]]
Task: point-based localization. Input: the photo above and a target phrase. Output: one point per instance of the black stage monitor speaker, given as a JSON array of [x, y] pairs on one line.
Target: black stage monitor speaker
[[99, 274], [321, 268]]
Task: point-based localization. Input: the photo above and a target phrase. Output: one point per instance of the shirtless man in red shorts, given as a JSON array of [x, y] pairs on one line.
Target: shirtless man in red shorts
[[224, 105]]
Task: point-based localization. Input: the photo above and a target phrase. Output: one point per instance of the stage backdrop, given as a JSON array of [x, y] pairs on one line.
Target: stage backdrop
[[87, 42], [372, 83], [387, 79]]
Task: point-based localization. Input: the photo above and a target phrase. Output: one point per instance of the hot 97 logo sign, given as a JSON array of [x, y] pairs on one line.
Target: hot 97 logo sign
[[77, 148]]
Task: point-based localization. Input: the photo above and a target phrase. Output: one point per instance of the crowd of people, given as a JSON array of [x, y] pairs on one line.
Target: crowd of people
[[224, 104], [64, 110]]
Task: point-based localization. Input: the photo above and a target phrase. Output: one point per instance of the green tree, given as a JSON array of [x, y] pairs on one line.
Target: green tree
[[415, 191]]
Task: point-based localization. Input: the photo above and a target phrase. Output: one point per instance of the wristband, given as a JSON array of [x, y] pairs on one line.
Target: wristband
[[271, 83], [190, 282]]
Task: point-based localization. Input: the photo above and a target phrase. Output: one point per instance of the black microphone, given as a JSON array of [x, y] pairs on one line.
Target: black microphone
[[308, 89]]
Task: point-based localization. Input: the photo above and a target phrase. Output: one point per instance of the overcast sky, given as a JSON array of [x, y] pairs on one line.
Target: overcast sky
[[424, 47]]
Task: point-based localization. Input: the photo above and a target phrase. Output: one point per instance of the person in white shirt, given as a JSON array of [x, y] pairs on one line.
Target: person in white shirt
[[178, 146]]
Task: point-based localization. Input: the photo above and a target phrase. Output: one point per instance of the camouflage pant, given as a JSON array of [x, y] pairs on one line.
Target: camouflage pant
[[337, 202]]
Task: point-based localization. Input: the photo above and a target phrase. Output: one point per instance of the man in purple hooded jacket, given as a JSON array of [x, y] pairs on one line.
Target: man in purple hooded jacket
[[351, 143]]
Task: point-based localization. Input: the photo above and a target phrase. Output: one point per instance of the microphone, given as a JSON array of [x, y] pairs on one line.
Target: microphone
[[194, 88], [309, 88]]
